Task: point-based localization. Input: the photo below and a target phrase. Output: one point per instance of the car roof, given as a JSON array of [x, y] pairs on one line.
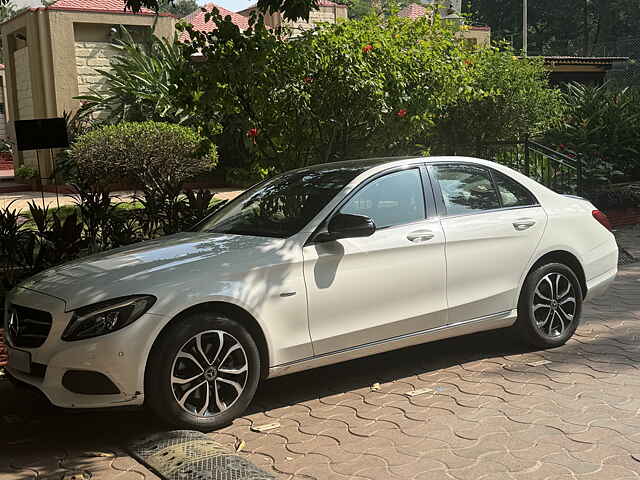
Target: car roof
[[386, 162]]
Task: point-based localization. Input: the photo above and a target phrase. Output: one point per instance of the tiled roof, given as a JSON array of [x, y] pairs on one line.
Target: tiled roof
[[105, 6], [413, 11], [197, 19]]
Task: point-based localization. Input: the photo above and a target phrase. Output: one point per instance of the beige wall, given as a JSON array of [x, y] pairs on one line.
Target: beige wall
[[480, 38], [57, 61], [91, 56], [23, 84]]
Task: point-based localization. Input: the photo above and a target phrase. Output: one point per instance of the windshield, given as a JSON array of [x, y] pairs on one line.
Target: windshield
[[283, 205]]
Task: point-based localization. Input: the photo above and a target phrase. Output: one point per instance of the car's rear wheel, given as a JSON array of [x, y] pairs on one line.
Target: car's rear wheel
[[550, 306], [202, 372]]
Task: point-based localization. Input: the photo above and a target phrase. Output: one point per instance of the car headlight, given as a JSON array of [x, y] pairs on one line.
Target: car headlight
[[106, 317]]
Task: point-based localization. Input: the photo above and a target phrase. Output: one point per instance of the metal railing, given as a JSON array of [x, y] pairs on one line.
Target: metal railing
[[552, 168]]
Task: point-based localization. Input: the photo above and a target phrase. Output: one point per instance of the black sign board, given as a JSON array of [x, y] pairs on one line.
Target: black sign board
[[41, 134]]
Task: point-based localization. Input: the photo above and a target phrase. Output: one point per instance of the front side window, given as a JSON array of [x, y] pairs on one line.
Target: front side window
[[282, 206], [394, 199], [466, 189], [512, 193]]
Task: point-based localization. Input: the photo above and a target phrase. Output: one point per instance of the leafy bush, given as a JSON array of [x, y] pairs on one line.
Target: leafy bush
[[511, 99], [43, 237], [156, 157], [357, 88], [26, 172], [601, 125]]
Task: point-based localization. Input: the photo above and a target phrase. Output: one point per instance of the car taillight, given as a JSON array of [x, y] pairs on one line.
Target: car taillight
[[602, 218]]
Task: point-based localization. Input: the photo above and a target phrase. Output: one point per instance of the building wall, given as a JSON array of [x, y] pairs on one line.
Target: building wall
[[89, 57], [322, 15], [24, 95], [23, 84], [475, 36]]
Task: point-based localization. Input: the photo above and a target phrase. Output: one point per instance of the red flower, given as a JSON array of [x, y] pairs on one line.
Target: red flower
[[252, 133], [562, 146], [367, 48], [307, 79], [401, 113]]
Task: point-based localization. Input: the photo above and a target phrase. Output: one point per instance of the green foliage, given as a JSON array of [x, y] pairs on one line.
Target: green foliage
[[179, 8], [26, 172], [569, 27], [43, 237], [374, 86], [16, 246], [365, 87], [59, 239], [157, 157], [358, 9], [153, 155], [511, 99], [142, 84], [78, 123], [601, 126]]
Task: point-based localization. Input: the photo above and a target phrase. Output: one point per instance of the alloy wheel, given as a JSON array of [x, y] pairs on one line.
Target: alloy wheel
[[209, 373], [554, 304]]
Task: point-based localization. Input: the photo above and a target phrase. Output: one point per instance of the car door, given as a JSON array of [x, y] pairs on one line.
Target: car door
[[492, 226], [363, 290]]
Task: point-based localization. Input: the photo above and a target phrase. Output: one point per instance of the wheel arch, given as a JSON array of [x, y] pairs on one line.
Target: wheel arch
[[567, 258], [235, 313]]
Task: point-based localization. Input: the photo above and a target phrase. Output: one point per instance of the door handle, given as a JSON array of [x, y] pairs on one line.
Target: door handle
[[523, 224], [420, 236]]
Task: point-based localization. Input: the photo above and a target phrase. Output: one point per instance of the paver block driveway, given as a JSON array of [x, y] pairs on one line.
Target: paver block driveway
[[469, 408]]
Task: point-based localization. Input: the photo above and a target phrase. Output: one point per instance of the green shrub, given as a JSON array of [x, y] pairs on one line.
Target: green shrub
[[510, 99], [158, 158], [26, 172], [601, 126]]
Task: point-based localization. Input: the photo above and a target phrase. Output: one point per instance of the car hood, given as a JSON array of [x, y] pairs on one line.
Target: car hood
[[141, 268]]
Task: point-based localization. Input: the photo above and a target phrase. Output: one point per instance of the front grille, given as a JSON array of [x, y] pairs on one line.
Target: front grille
[[29, 328]]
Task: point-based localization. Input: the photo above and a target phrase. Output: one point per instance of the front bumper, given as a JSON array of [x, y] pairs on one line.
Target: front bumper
[[119, 356]]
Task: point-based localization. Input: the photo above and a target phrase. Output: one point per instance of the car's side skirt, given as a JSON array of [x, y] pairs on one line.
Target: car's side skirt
[[488, 322]]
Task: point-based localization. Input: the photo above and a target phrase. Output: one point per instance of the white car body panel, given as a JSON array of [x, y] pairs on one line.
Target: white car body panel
[[362, 290], [316, 304], [486, 256]]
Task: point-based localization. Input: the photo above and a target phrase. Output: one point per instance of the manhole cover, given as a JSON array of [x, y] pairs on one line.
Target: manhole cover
[[190, 455]]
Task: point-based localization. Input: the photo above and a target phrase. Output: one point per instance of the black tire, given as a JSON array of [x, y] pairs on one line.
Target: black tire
[[531, 325], [161, 392]]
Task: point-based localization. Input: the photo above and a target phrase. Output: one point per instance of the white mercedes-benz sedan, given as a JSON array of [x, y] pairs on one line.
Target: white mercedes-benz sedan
[[316, 266]]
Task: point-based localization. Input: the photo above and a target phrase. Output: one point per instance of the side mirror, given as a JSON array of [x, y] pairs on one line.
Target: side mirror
[[344, 225]]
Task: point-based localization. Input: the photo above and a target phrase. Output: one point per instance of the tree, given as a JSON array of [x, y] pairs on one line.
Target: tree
[[570, 27], [291, 9], [357, 88], [179, 8]]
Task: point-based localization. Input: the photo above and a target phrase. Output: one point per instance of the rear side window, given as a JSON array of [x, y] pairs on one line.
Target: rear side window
[[512, 193], [394, 199], [466, 189]]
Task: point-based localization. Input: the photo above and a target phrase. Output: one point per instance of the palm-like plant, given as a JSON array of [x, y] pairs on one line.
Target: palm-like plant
[[142, 83]]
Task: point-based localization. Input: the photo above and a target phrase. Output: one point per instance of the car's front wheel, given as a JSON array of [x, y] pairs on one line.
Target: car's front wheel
[[202, 372], [550, 306]]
